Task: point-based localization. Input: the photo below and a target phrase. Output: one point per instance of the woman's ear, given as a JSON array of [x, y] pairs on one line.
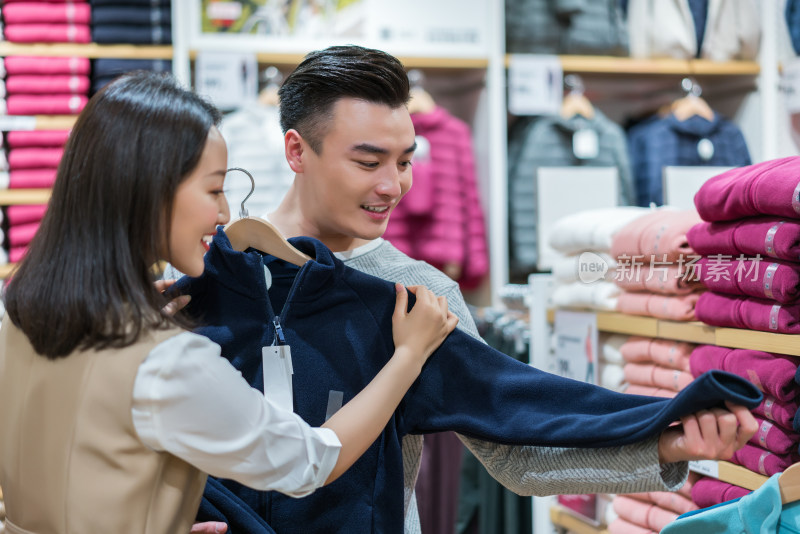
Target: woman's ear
[[294, 146]]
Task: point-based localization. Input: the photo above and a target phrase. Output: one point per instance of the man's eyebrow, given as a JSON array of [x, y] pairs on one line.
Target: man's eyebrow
[[369, 149], [410, 149]]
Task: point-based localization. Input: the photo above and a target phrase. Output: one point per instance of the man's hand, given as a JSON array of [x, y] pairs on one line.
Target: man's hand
[[211, 527], [707, 435]]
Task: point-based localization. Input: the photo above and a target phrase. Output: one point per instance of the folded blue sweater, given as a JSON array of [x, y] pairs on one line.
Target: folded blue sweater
[[338, 322]]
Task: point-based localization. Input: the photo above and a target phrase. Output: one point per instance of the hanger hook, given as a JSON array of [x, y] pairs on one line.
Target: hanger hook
[[575, 83], [243, 211], [415, 78], [691, 87]]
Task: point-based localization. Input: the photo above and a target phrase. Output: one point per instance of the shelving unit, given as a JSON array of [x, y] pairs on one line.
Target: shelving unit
[[626, 66], [90, 50], [694, 332]]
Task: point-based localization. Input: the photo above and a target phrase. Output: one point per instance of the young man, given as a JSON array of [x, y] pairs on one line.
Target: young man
[[350, 141]]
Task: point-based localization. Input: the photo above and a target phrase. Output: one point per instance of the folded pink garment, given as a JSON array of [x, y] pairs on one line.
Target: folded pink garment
[[32, 158], [46, 65], [763, 461], [718, 309], [22, 213], [709, 491], [33, 12], [658, 236], [648, 374], [667, 500], [782, 413], [45, 104], [16, 253], [757, 277], [36, 138], [643, 514], [22, 234], [768, 188], [48, 85], [32, 178], [676, 308], [649, 391], [665, 279], [766, 236], [774, 374], [775, 438], [47, 33], [620, 526], [663, 352]]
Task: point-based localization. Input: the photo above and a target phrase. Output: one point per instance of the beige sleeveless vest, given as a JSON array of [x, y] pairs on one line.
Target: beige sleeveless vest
[[70, 458]]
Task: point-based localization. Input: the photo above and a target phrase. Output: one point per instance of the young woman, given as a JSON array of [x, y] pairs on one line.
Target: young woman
[[113, 412]]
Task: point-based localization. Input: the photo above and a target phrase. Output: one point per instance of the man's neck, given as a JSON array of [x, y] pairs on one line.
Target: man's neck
[[292, 224]]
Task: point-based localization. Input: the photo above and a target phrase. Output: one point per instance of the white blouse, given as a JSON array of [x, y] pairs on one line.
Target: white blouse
[[192, 403]]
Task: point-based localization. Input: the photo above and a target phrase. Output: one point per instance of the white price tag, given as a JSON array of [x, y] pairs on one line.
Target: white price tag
[[576, 345], [228, 79], [9, 123], [585, 144], [278, 375], [534, 84], [705, 467]]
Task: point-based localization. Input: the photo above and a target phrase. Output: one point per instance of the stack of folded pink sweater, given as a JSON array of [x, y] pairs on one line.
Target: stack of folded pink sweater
[[37, 85], [775, 446], [653, 259], [23, 222], [50, 21], [644, 513], [656, 367], [750, 237]]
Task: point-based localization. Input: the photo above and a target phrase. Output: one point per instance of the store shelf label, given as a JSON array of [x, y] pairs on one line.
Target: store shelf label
[[705, 467], [9, 123], [576, 345], [534, 84], [228, 79]]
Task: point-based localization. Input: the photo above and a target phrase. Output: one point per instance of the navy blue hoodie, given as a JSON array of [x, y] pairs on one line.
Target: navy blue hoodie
[[338, 322]]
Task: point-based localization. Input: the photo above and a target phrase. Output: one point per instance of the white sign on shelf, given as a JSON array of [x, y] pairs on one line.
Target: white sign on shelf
[[9, 123], [534, 84], [790, 74], [228, 79], [680, 184], [705, 467], [576, 345]]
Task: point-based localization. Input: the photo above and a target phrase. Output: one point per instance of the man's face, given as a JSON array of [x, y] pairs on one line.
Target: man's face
[[363, 170]]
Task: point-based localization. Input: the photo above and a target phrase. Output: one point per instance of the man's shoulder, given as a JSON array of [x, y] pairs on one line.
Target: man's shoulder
[[389, 263]]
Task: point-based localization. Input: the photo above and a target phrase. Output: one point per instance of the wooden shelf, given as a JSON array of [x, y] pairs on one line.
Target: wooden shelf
[[730, 473], [693, 332], [9, 197], [90, 50], [561, 517], [5, 270], [655, 66], [411, 62], [36, 122]]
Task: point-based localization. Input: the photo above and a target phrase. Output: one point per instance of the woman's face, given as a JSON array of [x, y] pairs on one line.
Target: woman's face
[[199, 206]]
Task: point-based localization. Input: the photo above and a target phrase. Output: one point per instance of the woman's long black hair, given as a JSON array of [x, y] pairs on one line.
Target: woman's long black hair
[[86, 280]]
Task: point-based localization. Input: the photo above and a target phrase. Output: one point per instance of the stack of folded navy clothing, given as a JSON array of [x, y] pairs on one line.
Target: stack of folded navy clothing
[[51, 21], [140, 22], [106, 69]]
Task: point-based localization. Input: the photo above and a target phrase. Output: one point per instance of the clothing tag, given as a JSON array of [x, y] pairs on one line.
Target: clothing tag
[[335, 399], [585, 144], [705, 149], [278, 375], [267, 277]]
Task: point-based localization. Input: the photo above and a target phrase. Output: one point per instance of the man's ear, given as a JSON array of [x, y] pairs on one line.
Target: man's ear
[[294, 146]]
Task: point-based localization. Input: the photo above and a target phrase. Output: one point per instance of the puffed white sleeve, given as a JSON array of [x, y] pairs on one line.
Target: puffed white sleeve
[[191, 402]]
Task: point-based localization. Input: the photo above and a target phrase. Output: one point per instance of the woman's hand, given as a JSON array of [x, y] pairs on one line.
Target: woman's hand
[[419, 332], [175, 304]]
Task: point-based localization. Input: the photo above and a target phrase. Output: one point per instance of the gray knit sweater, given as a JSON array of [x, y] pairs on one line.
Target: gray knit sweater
[[525, 470]]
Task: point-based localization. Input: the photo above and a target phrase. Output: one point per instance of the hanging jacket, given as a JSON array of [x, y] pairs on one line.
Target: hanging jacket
[[338, 323]]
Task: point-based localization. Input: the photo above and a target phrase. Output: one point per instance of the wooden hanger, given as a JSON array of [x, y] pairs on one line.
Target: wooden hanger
[[254, 232], [575, 102], [421, 100], [789, 483], [691, 104]]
